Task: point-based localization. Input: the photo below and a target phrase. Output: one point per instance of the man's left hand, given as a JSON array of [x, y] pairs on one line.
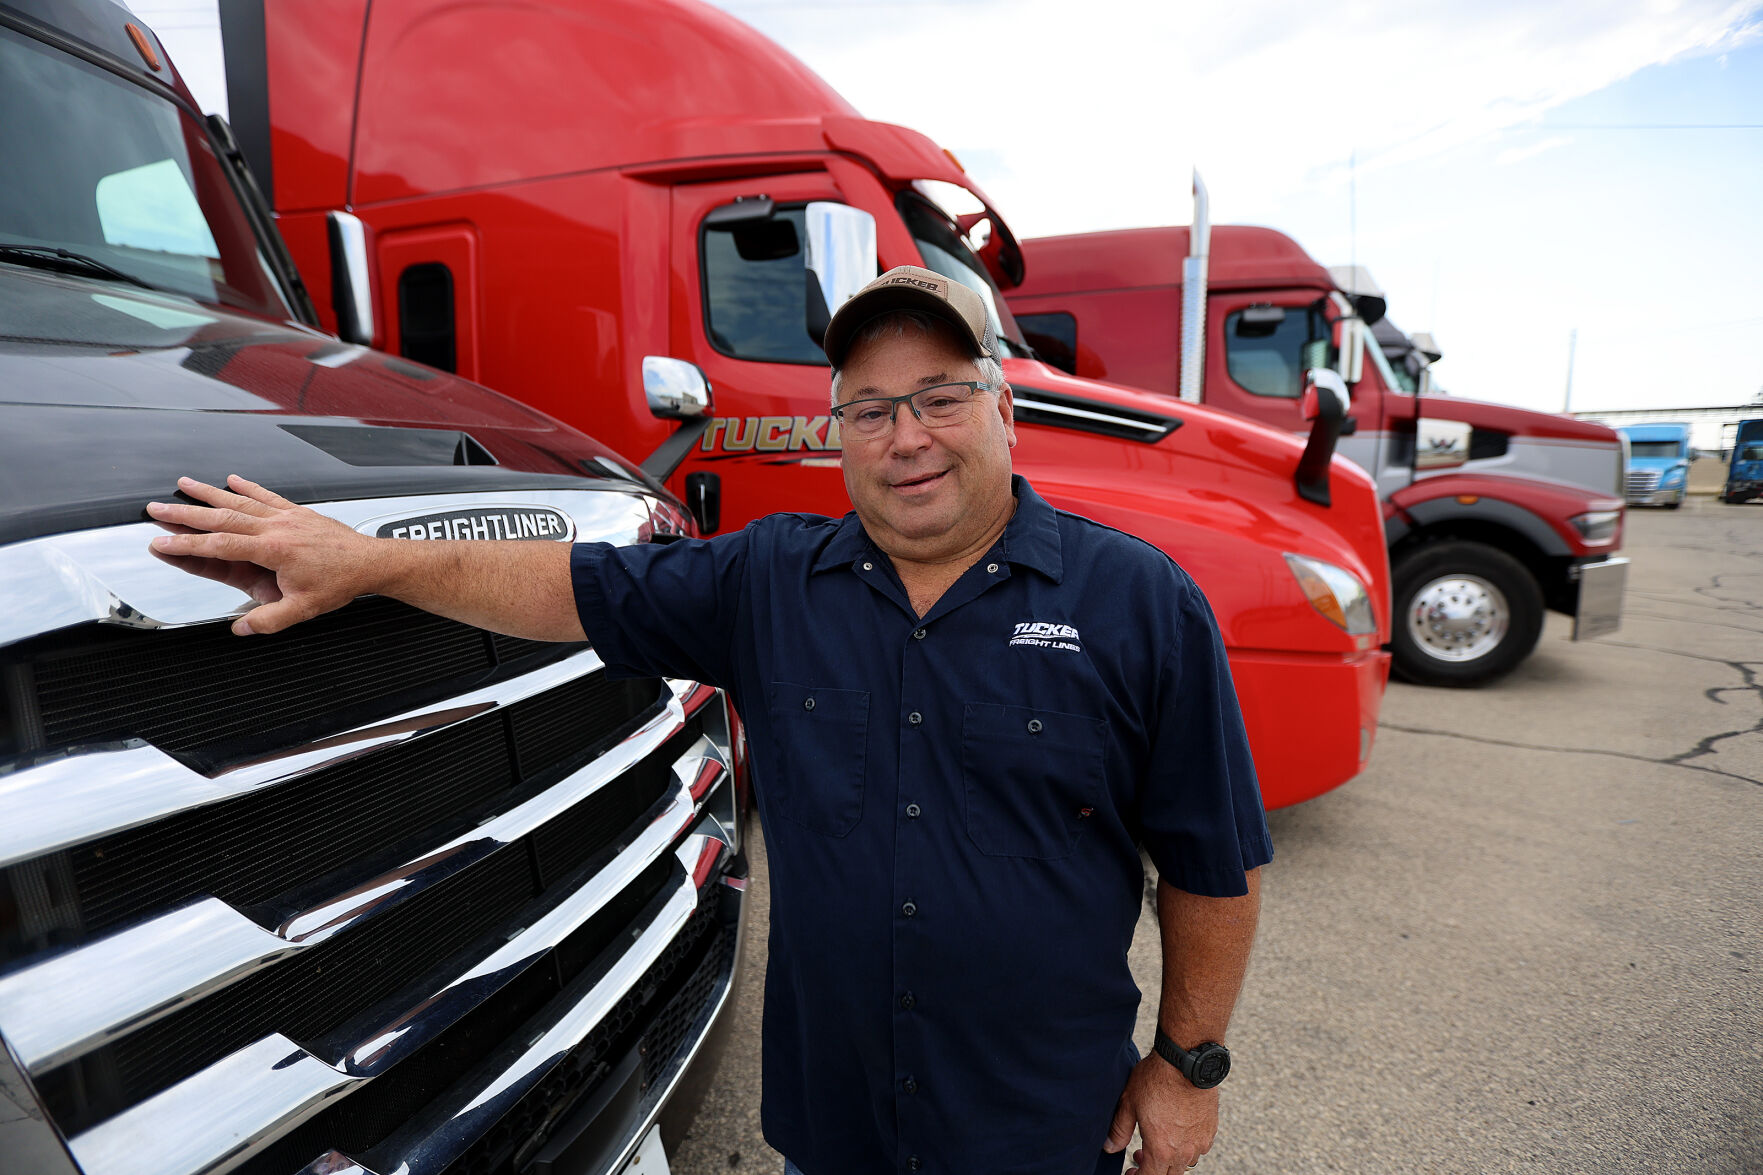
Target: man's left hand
[[1176, 1121]]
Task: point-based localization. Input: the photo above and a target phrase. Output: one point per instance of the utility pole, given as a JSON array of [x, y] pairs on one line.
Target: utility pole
[[1572, 344]]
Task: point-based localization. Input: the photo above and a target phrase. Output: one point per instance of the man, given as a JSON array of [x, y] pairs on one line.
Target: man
[[966, 710]]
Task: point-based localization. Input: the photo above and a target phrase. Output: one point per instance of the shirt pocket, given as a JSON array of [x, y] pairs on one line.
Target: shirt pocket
[[1032, 779], [822, 740]]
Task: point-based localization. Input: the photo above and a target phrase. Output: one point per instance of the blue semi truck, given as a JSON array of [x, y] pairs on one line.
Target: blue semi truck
[[1659, 457], [1744, 477]]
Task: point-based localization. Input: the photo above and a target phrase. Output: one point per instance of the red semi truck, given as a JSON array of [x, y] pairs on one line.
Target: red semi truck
[[605, 212], [1493, 514]]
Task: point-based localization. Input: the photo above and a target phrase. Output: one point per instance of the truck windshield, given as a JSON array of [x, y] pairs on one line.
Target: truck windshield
[[110, 170], [940, 244], [1382, 363], [1654, 449]]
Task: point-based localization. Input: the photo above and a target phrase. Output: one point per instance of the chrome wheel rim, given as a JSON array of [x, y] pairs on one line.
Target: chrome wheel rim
[[1458, 618]]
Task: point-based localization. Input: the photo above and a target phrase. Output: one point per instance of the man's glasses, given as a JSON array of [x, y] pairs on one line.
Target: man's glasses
[[934, 407]]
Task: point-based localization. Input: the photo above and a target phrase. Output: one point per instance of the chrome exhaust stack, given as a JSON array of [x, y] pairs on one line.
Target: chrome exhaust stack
[[1193, 297]]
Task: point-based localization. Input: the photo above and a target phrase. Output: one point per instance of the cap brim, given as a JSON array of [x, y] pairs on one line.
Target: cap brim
[[869, 305]]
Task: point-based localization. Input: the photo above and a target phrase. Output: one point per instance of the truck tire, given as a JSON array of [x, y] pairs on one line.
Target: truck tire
[[1465, 614]]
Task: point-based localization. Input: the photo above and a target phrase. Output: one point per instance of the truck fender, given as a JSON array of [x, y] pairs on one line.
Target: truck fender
[[1446, 509]]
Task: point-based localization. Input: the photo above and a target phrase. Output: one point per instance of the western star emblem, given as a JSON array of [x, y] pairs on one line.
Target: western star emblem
[[540, 523], [1042, 634]]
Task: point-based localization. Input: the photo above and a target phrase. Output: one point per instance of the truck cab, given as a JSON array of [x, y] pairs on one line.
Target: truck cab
[[634, 221], [1744, 476], [1493, 514], [1659, 457], [382, 891]]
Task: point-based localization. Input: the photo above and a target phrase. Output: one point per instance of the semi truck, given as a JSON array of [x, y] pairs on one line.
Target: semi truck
[[626, 206], [1659, 457], [381, 893], [1744, 475], [1492, 514]]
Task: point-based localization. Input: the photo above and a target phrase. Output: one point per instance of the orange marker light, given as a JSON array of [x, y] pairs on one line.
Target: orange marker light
[[143, 46], [955, 161], [1468, 499]]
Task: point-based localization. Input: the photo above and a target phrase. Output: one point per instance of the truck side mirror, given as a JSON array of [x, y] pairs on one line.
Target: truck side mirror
[[351, 282], [675, 389], [1350, 345], [1325, 407], [841, 259]]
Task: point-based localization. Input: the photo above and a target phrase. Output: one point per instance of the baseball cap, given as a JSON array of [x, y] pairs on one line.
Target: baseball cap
[[908, 287]]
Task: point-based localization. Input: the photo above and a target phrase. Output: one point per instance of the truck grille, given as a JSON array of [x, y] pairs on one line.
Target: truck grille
[[1641, 483], [384, 848]]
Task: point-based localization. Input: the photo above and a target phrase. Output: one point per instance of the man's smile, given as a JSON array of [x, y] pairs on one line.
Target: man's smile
[[920, 483]]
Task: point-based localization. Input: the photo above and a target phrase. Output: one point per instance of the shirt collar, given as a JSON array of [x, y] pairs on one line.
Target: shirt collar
[[1031, 538]]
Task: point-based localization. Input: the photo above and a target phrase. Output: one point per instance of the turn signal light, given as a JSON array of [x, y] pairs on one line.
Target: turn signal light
[[1335, 592]]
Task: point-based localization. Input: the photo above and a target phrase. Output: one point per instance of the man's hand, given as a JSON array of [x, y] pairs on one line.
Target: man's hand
[[297, 564], [1176, 1122], [294, 562]]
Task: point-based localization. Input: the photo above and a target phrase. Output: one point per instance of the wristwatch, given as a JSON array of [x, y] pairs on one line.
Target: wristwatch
[[1204, 1065]]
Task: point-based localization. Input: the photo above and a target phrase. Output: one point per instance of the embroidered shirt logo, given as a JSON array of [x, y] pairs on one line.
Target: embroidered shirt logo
[[1041, 634]]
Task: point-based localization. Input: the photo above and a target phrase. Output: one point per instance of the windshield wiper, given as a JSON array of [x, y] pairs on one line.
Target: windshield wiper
[[41, 256]]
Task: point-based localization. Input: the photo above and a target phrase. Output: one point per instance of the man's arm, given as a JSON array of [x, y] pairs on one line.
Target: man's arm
[[1206, 945], [297, 564]]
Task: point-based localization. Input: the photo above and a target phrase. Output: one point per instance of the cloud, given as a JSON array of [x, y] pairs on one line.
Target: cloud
[[1264, 96], [1513, 155]]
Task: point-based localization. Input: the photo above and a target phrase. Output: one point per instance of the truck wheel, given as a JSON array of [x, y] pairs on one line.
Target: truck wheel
[[1465, 613]]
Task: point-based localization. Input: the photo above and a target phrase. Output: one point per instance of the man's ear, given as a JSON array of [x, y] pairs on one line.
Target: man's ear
[[1007, 409]]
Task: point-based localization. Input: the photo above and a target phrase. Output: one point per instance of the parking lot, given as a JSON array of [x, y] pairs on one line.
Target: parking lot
[[1526, 939]]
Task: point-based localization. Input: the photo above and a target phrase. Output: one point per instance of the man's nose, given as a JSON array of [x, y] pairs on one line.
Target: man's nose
[[909, 435]]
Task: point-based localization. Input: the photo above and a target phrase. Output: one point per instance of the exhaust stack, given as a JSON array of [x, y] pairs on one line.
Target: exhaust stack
[[1193, 297]]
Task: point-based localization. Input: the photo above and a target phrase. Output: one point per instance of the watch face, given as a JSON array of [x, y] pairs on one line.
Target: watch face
[[1211, 1067]]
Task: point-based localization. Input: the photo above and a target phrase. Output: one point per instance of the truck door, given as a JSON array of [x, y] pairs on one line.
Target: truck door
[[1259, 348], [738, 309]]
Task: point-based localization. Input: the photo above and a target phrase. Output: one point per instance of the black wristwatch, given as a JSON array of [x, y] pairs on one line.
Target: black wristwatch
[[1204, 1065]]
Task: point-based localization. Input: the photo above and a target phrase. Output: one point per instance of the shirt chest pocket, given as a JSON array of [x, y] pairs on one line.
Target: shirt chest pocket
[[1032, 779], [822, 739]]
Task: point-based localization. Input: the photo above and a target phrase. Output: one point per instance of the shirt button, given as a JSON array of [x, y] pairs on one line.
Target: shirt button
[[992, 567], [912, 1163], [918, 634], [913, 811], [907, 1001], [909, 1085], [1034, 724], [807, 703], [869, 567], [915, 718], [909, 909]]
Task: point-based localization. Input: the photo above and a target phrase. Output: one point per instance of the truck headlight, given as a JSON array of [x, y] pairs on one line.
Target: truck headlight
[[1672, 479], [1598, 526], [1335, 592]]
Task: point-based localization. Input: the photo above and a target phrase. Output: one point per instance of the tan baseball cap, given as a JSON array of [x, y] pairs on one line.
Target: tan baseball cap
[[907, 287]]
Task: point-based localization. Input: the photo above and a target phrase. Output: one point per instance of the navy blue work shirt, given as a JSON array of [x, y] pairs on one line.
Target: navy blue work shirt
[[952, 806]]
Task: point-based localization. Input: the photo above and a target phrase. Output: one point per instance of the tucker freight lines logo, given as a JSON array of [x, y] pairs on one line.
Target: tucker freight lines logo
[[540, 523], [1040, 634], [771, 434]]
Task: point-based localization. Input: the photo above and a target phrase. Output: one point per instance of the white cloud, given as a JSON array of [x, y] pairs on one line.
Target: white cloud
[[1513, 155], [1263, 95]]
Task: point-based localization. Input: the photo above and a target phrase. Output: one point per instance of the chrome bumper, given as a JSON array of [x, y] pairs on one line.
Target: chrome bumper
[[1601, 586]]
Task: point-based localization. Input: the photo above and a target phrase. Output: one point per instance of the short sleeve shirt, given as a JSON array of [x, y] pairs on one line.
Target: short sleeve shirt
[[953, 807]]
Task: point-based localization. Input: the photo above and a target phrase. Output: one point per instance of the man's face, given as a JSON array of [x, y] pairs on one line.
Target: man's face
[[926, 494]]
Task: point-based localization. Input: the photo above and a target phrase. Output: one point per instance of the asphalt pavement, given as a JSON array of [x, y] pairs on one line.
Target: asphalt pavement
[[1527, 939]]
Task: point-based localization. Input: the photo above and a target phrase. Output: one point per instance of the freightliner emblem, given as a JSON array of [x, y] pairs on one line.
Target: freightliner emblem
[[483, 522]]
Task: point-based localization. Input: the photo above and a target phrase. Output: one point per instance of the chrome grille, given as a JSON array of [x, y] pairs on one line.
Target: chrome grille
[[231, 942], [1641, 483]]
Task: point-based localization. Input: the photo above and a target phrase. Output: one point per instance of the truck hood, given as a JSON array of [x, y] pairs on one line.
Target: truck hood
[[110, 392], [1661, 464], [1516, 421]]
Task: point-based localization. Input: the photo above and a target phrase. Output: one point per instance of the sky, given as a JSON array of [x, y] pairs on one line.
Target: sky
[[1444, 146], [1510, 171]]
